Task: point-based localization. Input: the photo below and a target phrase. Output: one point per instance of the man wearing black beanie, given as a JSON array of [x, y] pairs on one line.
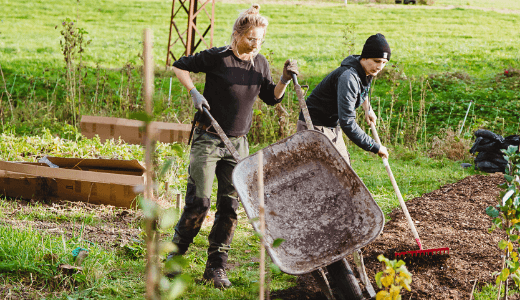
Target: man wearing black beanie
[[332, 104]]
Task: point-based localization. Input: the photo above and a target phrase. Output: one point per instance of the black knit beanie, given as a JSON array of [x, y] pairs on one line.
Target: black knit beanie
[[376, 46]]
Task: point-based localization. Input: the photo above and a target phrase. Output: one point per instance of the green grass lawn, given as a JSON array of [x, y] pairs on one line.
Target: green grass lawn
[[451, 38], [423, 40], [465, 47]]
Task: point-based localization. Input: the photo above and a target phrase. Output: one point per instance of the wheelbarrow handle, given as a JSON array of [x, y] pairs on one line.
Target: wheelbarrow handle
[[222, 135], [396, 189], [303, 105]]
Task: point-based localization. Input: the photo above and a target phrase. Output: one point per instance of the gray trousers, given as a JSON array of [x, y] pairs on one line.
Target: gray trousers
[[209, 157], [333, 133]]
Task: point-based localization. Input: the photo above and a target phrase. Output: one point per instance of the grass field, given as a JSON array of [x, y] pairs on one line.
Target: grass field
[[466, 47], [423, 40], [443, 56]]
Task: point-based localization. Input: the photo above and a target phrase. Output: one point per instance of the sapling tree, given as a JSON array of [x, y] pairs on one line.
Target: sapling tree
[[506, 216], [392, 279], [158, 286], [72, 43]]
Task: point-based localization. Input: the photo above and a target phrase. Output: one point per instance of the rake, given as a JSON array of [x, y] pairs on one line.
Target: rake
[[421, 252]]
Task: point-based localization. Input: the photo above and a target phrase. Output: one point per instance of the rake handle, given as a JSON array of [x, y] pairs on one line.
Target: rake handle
[[396, 189]]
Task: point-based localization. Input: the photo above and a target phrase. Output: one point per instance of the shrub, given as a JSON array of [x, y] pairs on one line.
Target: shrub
[[392, 279], [506, 216], [450, 145]]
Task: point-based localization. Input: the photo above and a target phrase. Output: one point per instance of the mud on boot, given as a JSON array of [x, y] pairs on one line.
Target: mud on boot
[[218, 276]]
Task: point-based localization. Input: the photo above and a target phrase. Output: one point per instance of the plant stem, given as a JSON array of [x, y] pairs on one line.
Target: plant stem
[[152, 270], [261, 215], [7, 93]]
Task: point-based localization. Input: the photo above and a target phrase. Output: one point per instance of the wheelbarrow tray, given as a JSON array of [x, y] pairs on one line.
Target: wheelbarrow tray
[[314, 201]]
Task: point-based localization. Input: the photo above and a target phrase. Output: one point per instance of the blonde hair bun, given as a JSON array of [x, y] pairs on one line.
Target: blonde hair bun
[[254, 10]]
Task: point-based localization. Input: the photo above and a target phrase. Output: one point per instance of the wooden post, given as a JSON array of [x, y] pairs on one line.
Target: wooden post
[[178, 204], [261, 215], [152, 271]]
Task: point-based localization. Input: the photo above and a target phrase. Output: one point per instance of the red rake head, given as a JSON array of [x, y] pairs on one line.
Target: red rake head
[[429, 252]]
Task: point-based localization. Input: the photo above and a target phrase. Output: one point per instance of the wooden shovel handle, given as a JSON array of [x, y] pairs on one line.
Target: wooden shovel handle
[[396, 189], [303, 105], [222, 135]]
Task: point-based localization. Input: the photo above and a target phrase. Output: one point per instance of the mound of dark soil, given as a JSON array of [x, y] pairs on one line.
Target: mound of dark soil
[[453, 216]]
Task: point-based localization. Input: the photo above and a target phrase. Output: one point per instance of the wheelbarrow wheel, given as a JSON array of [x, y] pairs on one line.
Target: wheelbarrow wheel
[[345, 284]]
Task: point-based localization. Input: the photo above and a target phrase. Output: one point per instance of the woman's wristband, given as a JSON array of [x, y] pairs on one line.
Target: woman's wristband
[[283, 81], [189, 91]]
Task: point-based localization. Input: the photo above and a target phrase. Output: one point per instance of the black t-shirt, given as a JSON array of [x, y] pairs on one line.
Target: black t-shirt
[[232, 86]]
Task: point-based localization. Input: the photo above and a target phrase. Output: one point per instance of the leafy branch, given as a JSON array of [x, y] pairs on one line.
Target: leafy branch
[[392, 279], [506, 216]]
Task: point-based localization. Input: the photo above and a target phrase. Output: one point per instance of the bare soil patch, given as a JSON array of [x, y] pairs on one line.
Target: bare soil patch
[[453, 216]]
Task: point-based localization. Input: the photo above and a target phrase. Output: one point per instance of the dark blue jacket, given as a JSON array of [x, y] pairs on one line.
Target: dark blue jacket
[[336, 98]]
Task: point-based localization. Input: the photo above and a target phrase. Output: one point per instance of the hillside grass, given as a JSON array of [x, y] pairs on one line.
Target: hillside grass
[[443, 55], [424, 39]]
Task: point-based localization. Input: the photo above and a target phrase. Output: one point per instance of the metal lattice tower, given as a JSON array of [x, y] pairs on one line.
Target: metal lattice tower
[[192, 36]]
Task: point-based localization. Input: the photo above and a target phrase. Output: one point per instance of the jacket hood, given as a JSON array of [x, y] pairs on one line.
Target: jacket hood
[[353, 61]]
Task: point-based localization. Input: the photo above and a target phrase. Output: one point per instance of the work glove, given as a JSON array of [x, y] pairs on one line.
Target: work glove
[[198, 100], [290, 67], [371, 117]]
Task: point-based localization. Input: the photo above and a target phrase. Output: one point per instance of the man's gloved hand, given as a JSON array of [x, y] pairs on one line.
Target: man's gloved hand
[[371, 117], [198, 99], [290, 67], [383, 152]]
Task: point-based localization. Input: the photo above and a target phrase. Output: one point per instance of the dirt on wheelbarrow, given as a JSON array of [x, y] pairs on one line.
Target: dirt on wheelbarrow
[[453, 216]]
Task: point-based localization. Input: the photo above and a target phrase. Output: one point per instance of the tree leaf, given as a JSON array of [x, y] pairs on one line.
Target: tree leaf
[[507, 196], [492, 212], [394, 291], [516, 279], [167, 165], [168, 218], [399, 264], [378, 279], [504, 274], [382, 295], [387, 280], [141, 116], [177, 287], [149, 208], [502, 244], [277, 242]]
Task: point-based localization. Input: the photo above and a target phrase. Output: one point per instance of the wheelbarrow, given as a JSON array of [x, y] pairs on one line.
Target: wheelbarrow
[[315, 202]]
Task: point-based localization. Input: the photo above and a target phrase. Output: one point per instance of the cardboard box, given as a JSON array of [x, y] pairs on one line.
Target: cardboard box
[[98, 181], [131, 131]]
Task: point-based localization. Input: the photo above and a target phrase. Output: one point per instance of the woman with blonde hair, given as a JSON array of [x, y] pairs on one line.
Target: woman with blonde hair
[[235, 76]]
